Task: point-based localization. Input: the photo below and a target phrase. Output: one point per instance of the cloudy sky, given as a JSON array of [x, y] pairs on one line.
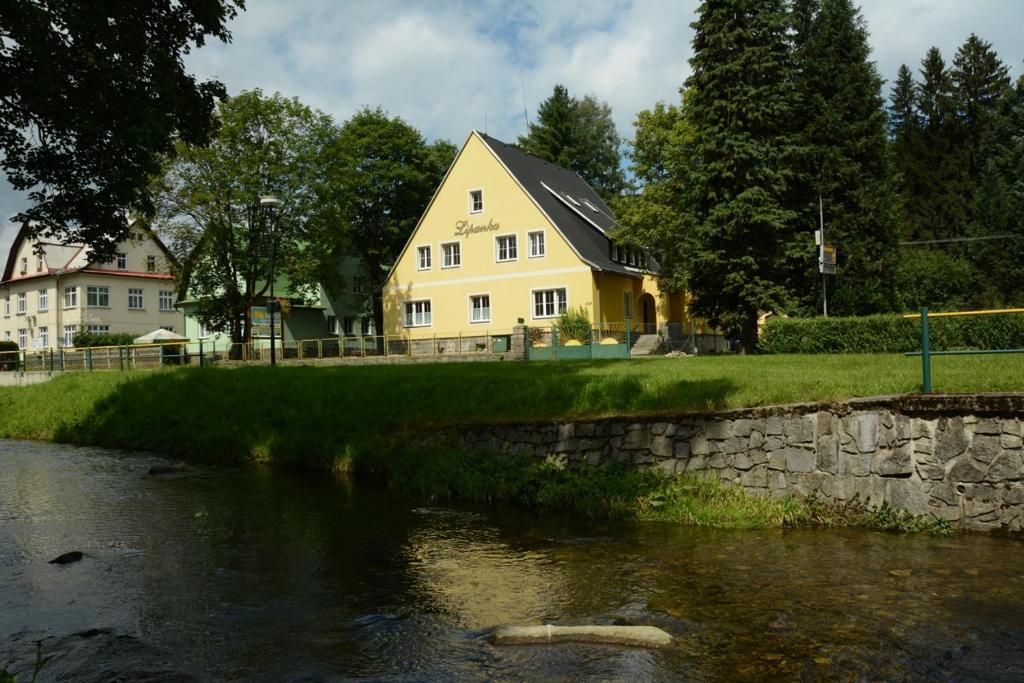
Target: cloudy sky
[[449, 66]]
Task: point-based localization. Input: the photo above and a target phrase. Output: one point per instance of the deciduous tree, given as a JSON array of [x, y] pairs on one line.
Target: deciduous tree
[[93, 96]]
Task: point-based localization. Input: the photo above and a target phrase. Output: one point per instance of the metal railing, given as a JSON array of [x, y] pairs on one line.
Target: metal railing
[[130, 357], [926, 352]]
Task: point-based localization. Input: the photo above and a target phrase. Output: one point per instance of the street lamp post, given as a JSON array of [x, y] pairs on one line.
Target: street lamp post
[[270, 204]]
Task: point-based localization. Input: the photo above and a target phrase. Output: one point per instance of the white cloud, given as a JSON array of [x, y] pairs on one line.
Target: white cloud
[[448, 65]]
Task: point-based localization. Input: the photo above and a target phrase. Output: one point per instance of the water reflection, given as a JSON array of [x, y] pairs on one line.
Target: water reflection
[[251, 575]]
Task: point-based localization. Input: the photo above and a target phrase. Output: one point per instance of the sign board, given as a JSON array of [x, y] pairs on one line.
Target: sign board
[[260, 318], [827, 262]]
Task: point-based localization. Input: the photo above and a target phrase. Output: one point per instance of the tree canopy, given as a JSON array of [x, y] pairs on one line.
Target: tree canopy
[[94, 95], [579, 134], [384, 174], [208, 199]]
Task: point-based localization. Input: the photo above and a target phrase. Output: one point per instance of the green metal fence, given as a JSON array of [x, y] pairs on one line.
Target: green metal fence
[[608, 340], [926, 352]]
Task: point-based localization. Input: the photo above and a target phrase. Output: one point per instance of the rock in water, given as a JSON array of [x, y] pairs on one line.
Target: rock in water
[[67, 558], [636, 636]]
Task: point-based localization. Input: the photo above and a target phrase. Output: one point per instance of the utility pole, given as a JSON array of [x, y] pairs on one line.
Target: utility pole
[[821, 256]]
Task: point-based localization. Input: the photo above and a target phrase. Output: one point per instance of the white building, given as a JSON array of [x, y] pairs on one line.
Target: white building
[[47, 297]]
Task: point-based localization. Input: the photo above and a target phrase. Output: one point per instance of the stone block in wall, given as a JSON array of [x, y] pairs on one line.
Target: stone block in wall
[[844, 487], [984, 447], [756, 440], [1006, 467], [943, 493], [741, 461], [658, 428], [758, 457], [854, 464], [1013, 426], [866, 427], [924, 446], [742, 427], [988, 425], [820, 483], [799, 429], [1010, 441], [950, 438], [893, 462], [717, 461], [617, 429], [823, 423], [667, 466], [636, 438], [595, 458], [799, 459], [906, 494], [774, 443], [928, 466], [755, 478], [642, 458], [682, 449], [870, 490], [965, 470], [921, 428], [699, 445], [718, 429], [662, 446], [827, 453], [697, 463], [777, 460], [773, 425], [775, 480], [585, 429], [982, 506]]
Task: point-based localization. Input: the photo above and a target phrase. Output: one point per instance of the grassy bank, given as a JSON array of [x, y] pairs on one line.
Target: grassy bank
[[343, 416], [320, 416]]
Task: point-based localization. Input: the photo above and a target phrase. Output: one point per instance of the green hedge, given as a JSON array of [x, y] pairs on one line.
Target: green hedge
[[84, 339], [890, 334], [8, 360]]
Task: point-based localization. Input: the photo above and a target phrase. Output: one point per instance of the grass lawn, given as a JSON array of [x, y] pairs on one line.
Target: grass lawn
[[314, 416]]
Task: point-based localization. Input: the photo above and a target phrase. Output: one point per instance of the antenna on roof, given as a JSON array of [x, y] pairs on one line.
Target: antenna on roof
[[526, 112]]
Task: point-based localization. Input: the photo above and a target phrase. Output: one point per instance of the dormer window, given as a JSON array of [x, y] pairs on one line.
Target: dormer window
[[24, 265], [151, 264], [476, 201], [122, 262]]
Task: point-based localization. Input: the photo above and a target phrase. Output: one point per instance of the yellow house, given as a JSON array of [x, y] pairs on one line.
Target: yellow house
[[510, 238]]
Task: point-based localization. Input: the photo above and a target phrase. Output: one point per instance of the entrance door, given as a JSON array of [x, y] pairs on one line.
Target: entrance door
[[647, 308]]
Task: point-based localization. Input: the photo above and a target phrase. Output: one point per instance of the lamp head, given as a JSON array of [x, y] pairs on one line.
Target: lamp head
[[270, 202]]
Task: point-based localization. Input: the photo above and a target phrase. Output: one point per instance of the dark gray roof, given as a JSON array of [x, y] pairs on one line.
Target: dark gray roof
[[543, 180]]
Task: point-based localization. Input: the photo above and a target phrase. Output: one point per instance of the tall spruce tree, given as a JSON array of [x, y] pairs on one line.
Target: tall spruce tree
[[579, 135], [844, 159], [741, 111], [980, 81]]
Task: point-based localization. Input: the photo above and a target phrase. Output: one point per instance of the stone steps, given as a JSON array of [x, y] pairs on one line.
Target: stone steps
[[645, 345]]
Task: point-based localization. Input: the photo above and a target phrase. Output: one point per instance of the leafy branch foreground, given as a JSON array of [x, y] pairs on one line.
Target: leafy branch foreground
[[618, 491]]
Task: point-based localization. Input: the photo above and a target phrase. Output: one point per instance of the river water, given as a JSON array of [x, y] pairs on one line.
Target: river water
[[229, 575]]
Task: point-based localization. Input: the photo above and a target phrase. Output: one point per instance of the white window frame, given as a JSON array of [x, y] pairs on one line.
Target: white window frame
[[151, 264], [627, 304], [533, 302], [122, 261], [69, 334], [24, 265], [419, 257], [43, 303], [543, 244], [98, 329], [39, 263], [423, 322], [22, 338], [497, 247], [73, 292], [470, 202], [472, 309], [134, 292], [100, 289], [444, 256], [166, 295], [22, 303], [7, 307], [44, 335]]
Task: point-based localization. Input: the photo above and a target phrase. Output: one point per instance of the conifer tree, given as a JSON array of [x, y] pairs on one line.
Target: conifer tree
[[844, 160], [741, 111], [579, 135]]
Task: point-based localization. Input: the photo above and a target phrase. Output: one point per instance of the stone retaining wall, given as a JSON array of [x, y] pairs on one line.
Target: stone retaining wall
[[957, 458]]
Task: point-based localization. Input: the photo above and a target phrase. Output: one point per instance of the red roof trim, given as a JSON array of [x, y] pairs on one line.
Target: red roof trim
[[91, 271]]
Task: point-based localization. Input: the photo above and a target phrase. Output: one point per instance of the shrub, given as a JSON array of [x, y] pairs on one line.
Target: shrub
[[574, 324], [890, 334], [8, 356], [86, 339]]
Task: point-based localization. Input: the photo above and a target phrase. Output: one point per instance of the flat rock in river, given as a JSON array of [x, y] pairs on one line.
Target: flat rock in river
[[636, 636]]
